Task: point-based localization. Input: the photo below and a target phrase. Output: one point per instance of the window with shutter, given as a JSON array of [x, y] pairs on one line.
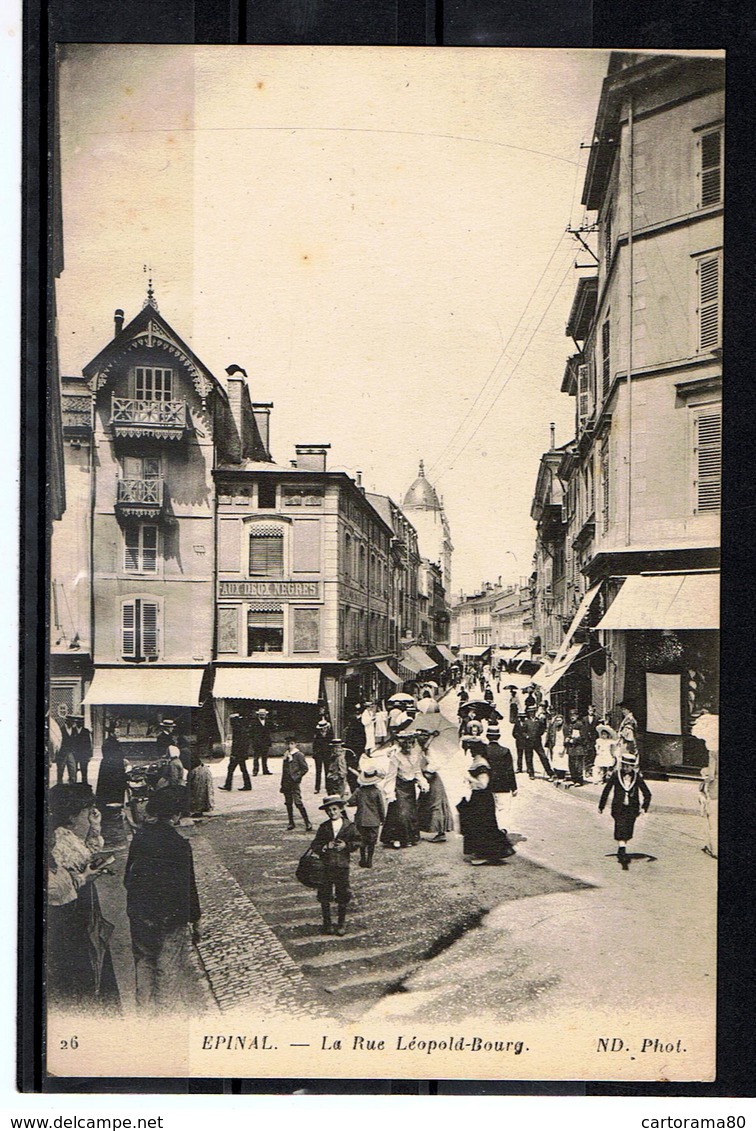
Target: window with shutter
[[605, 485], [606, 357], [708, 461], [128, 630], [265, 628], [710, 171], [140, 630], [709, 302], [266, 552], [149, 613], [584, 395], [140, 548]]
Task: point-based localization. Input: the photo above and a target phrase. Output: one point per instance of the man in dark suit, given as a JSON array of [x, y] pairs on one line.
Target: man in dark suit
[[503, 783], [65, 758], [80, 746], [532, 729], [239, 752], [260, 741], [293, 770]]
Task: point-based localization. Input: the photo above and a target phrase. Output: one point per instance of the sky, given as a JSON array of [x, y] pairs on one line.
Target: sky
[[376, 235]]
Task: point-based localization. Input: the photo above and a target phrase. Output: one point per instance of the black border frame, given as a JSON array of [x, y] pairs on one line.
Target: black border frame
[[676, 24]]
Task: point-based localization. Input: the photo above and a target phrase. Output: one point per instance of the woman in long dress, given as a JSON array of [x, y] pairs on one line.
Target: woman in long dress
[[405, 776], [434, 812], [80, 971], [483, 841], [111, 779], [201, 788]]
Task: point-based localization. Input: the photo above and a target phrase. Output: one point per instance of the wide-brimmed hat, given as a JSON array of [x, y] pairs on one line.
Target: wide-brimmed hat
[[332, 801], [629, 757], [337, 742], [493, 731], [605, 731], [261, 711], [168, 723], [369, 776]]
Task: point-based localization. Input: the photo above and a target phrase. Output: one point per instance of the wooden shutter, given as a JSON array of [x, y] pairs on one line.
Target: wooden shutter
[[306, 546], [605, 486], [711, 168], [149, 549], [131, 548], [606, 358], [128, 630], [584, 394], [149, 628], [266, 553], [709, 302], [708, 456]]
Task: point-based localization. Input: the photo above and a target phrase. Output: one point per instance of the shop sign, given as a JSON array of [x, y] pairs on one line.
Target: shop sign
[[286, 590]]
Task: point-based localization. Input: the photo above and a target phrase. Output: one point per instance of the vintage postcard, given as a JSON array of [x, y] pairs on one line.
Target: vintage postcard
[[385, 437]]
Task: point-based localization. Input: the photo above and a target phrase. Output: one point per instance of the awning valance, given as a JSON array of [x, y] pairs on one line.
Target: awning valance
[[446, 653], [386, 670], [583, 608], [474, 653], [145, 687], [278, 685], [665, 601], [550, 674], [421, 657]]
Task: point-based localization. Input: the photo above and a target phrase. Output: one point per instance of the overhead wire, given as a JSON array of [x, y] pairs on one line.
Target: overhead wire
[[508, 378], [492, 373]]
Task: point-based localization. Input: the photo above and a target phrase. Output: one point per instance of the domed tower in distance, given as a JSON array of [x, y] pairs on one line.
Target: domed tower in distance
[[425, 511]]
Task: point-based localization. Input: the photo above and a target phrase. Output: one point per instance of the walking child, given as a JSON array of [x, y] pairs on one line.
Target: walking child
[[371, 812], [333, 842], [627, 787]]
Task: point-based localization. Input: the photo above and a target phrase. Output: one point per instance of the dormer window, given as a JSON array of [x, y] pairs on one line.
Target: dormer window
[[152, 384]]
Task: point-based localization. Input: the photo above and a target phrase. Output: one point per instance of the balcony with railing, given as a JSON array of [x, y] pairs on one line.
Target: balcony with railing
[[133, 418], [140, 498]]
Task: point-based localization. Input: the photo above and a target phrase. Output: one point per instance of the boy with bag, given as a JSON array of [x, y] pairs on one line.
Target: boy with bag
[[333, 842]]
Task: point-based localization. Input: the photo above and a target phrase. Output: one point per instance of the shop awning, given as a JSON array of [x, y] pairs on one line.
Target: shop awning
[[386, 670], [577, 620], [446, 653], [474, 653], [278, 685], [670, 600], [550, 674], [145, 687], [412, 665], [421, 657]]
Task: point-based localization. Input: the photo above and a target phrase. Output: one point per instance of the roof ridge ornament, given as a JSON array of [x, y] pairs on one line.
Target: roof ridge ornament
[[150, 300]]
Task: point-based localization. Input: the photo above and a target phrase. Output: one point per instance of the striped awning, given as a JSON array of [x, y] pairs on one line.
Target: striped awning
[[386, 670]]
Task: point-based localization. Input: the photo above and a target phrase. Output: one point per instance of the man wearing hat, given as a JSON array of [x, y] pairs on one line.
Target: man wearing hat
[[260, 740], [333, 842], [371, 811], [503, 783], [79, 748], [336, 769], [165, 737], [293, 769], [161, 899], [239, 752], [531, 731], [65, 755]]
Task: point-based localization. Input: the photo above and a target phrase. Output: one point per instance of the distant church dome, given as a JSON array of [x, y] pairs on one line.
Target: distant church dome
[[422, 493]]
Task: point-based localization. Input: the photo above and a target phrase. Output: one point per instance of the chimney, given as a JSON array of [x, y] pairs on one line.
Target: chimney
[[236, 384], [261, 413], [311, 457], [552, 429], [358, 475], [118, 320]]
